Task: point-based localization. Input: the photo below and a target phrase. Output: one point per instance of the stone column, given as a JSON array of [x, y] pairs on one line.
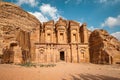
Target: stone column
[[65, 37], [74, 54], [87, 54], [52, 36], [57, 56], [79, 55], [53, 54], [48, 54], [79, 37], [85, 33], [58, 37], [36, 56], [68, 55], [71, 36], [45, 53], [42, 37]]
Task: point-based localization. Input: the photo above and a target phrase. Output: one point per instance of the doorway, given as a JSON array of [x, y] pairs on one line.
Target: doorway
[[62, 57]]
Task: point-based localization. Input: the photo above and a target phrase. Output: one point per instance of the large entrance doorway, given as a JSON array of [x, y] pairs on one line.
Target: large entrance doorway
[[62, 57]]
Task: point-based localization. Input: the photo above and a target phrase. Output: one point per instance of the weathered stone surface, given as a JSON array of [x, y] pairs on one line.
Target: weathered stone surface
[[104, 48], [16, 26]]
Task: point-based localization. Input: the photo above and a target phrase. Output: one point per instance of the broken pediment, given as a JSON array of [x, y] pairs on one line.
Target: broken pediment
[[49, 23], [61, 22], [74, 23]]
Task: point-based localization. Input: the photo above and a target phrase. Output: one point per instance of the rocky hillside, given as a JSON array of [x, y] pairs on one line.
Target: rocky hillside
[[12, 19], [104, 48]]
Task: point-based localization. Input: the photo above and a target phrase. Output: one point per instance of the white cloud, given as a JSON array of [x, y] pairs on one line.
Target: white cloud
[[79, 1], [102, 1], [39, 16], [108, 1], [117, 35], [67, 1], [94, 1], [75, 1], [112, 22], [49, 11], [29, 2]]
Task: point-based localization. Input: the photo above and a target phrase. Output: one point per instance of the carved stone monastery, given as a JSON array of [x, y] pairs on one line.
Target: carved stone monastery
[[64, 40], [24, 39]]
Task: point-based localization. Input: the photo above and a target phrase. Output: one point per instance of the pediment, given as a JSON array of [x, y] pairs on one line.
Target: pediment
[[51, 22], [61, 22], [74, 23]]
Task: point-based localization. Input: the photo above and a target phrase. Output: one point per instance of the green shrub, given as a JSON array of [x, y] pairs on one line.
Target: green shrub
[[47, 65], [29, 64]]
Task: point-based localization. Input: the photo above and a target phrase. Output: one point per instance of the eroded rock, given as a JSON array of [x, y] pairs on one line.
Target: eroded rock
[[104, 48], [16, 25]]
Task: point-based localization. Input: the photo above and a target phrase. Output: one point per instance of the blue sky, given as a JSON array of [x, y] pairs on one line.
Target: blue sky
[[103, 14]]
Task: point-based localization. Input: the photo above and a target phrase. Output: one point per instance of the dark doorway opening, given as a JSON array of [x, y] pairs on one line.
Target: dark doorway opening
[[62, 57]]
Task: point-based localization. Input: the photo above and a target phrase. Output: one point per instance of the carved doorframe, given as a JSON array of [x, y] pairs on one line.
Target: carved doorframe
[[62, 50]]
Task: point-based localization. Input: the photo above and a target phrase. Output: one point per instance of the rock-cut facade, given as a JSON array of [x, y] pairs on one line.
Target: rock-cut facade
[[62, 41]]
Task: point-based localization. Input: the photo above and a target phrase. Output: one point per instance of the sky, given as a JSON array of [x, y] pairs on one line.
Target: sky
[[98, 14]]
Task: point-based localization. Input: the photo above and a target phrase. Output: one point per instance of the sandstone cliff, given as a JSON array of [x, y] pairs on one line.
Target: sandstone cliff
[[17, 29], [104, 48], [12, 20]]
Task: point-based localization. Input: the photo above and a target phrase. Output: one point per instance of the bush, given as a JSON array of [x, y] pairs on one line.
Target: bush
[[29, 64], [47, 65]]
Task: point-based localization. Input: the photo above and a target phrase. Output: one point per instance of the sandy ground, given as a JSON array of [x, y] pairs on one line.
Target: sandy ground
[[62, 71]]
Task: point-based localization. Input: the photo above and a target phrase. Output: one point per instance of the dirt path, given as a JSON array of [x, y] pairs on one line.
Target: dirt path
[[62, 71]]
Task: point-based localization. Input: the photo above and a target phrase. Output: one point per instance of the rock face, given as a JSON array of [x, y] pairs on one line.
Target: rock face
[[16, 26], [104, 48]]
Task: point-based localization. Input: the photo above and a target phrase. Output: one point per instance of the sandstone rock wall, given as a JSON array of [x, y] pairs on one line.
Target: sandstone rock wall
[[16, 26], [104, 48]]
